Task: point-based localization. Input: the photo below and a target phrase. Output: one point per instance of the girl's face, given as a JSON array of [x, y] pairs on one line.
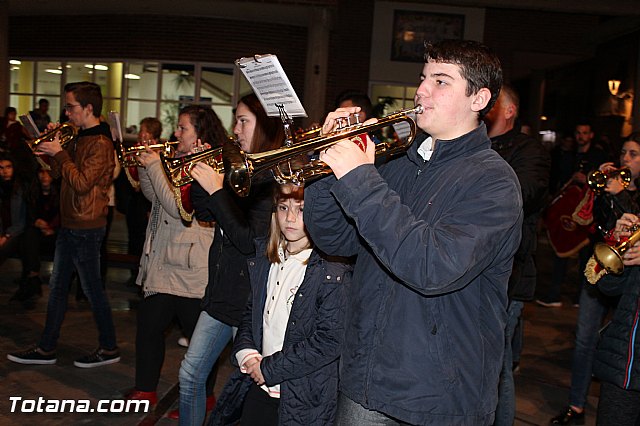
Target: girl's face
[[630, 157], [45, 178], [186, 134], [145, 135], [289, 215], [245, 126]]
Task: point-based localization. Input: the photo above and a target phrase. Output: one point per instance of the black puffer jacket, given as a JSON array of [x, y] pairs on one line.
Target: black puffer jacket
[[238, 222], [307, 366], [618, 356]]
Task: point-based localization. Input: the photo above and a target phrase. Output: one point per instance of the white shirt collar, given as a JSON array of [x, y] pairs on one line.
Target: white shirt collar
[[425, 150]]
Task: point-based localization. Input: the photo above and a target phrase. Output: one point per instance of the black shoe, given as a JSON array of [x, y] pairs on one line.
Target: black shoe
[[98, 358], [30, 288], [33, 356], [568, 417]]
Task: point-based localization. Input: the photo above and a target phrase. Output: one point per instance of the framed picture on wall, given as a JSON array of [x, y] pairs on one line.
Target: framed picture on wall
[[411, 28]]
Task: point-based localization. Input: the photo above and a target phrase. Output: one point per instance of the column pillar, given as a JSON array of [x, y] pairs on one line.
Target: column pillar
[[316, 71], [4, 55]]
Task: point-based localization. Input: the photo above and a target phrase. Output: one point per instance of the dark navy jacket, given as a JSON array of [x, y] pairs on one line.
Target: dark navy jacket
[[425, 315], [618, 356], [307, 366]]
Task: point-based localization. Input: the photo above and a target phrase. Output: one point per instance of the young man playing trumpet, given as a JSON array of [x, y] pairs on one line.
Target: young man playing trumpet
[[86, 168], [435, 232]]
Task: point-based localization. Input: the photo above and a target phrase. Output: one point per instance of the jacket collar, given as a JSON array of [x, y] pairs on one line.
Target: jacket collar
[[475, 140], [101, 129]]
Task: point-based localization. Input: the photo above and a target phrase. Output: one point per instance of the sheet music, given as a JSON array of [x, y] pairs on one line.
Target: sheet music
[[116, 128], [271, 85], [30, 125]]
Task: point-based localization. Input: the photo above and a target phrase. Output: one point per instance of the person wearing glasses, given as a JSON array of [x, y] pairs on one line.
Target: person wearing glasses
[[85, 167]]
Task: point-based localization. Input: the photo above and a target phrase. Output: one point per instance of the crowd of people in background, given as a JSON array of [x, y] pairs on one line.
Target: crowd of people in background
[[338, 314]]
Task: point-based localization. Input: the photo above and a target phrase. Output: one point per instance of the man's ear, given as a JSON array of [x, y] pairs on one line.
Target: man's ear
[[510, 111], [480, 99]]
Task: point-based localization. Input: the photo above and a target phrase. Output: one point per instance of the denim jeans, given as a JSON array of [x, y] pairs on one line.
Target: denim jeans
[[593, 307], [209, 339], [77, 249], [506, 409], [350, 413]]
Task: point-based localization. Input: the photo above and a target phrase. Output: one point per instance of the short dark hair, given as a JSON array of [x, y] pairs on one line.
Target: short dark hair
[[269, 131], [479, 66], [43, 101], [86, 93], [153, 125], [358, 99], [208, 126], [9, 110]]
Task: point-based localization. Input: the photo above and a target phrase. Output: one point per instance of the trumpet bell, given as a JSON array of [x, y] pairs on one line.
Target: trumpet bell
[[609, 258], [67, 132], [597, 180]]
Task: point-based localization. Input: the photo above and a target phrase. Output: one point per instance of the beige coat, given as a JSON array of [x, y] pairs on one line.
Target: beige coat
[[176, 262]]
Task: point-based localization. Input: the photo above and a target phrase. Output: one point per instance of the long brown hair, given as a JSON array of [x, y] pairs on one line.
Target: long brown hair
[[269, 132], [275, 239]]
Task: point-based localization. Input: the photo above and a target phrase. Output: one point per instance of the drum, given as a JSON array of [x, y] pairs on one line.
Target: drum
[[569, 220]]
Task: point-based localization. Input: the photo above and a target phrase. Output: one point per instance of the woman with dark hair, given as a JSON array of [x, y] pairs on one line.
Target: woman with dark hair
[[173, 265], [238, 222]]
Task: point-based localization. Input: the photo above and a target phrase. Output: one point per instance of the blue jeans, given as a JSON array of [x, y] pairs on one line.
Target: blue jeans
[[209, 339], [593, 307], [77, 249], [506, 409]]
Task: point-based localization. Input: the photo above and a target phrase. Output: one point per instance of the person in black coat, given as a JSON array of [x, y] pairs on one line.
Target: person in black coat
[[290, 338], [617, 362], [531, 162], [238, 222]]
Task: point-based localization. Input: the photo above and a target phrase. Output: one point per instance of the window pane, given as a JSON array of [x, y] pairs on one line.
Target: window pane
[[169, 117], [48, 78], [20, 103], [142, 80], [21, 76], [177, 82], [79, 71], [137, 110], [216, 85]]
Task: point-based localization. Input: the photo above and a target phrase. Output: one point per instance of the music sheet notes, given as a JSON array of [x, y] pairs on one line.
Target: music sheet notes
[[271, 85]]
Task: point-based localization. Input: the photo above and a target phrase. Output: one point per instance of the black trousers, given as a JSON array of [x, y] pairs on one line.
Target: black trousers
[[259, 408], [618, 407], [155, 315]]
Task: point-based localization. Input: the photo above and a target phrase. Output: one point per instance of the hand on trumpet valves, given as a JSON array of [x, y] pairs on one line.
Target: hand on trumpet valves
[[340, 118], [627, 223], [52, 147], [346, 155], [148, 156], [210, 180]]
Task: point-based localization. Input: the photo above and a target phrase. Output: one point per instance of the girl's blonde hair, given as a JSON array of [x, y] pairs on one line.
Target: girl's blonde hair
[[275, 239]]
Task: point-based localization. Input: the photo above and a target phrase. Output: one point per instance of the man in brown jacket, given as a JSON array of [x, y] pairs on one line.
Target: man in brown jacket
[[85, 166]]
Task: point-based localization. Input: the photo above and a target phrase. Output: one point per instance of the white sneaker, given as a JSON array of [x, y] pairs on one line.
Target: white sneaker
[[184, 342]]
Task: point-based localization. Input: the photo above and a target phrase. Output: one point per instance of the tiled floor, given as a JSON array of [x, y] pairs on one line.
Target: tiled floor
[[542, 383]]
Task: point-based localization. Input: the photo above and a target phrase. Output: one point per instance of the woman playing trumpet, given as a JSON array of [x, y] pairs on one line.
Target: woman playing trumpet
[[238, 222], [173, 266]]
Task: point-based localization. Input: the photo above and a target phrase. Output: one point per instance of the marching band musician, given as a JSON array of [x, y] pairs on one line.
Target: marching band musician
[[174, 263], [238, 222], [594, 305], [435, 233]]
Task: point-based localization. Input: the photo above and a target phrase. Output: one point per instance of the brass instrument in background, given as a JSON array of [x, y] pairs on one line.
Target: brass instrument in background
[[299, 162], [178, 170], [67, 131], [610, 257], [597, 179], [128, 156]]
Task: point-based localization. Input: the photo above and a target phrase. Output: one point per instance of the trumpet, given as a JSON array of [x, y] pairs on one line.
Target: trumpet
[[68, 132], [178, 170], [597, 179], [299, 162], [128, 156], [610, 257]]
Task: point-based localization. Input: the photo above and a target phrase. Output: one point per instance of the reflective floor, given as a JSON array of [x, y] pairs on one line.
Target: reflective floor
[[542, 383]]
